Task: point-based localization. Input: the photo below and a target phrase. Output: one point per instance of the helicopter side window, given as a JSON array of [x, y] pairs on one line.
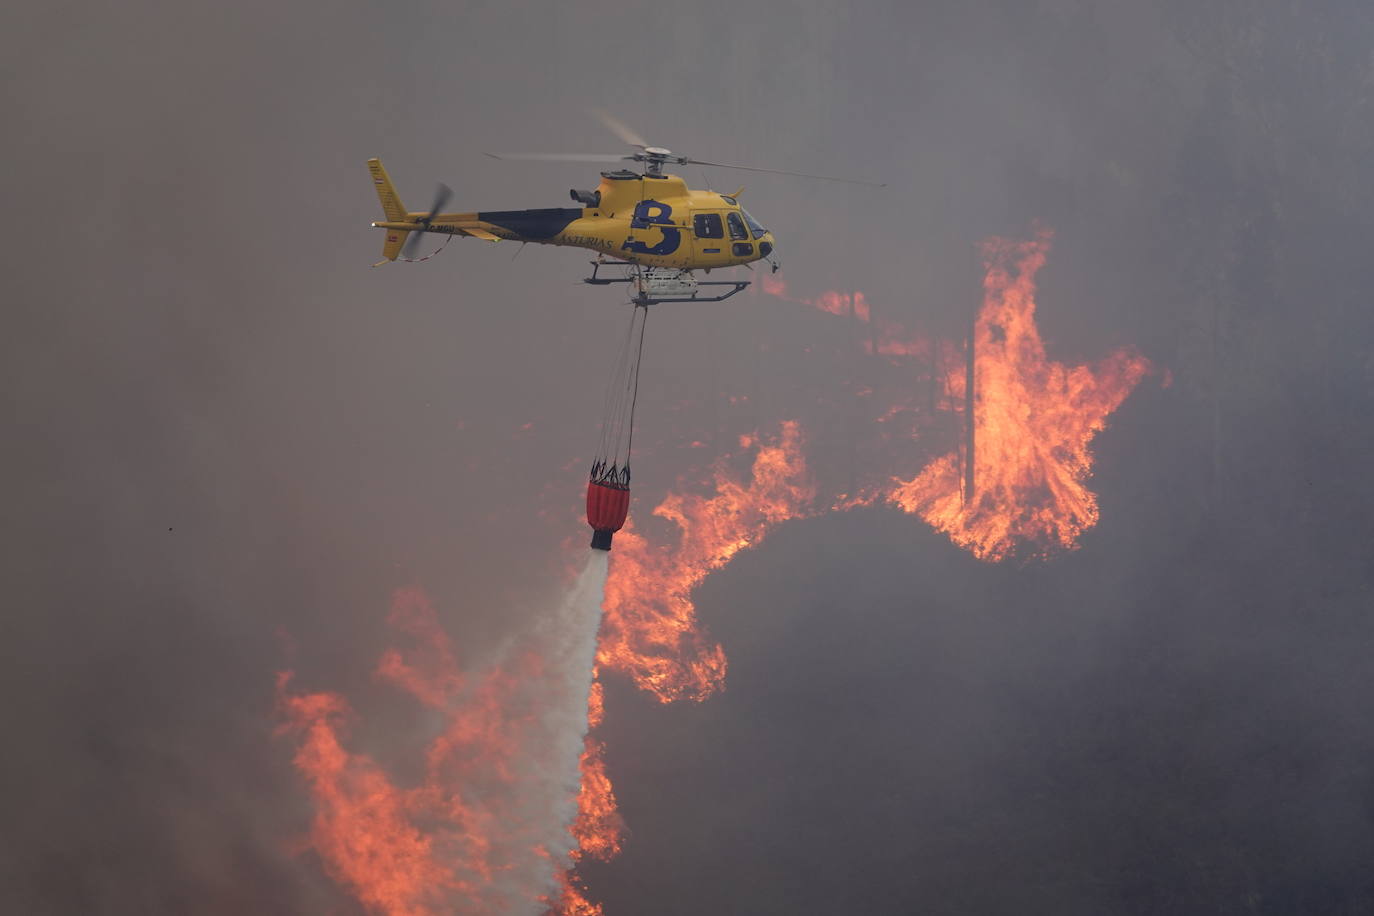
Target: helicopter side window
[[708, 226], [737, 230]]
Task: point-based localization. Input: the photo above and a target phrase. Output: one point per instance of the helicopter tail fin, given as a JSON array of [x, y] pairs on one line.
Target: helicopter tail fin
[[393, 208]]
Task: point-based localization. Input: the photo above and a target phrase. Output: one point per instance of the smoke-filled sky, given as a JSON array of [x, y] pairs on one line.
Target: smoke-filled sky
[[230, 441]]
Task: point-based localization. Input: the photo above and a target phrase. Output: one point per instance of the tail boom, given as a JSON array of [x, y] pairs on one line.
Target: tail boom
[[546, 226]]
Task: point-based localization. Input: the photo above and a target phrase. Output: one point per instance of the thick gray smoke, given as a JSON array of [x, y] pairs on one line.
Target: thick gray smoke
[[220, 423]]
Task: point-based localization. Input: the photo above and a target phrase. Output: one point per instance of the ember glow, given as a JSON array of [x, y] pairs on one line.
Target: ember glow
[[886, 338], [572, 900], [832, 301]]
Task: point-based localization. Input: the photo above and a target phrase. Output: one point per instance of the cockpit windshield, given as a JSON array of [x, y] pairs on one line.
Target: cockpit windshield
[[754, 226]]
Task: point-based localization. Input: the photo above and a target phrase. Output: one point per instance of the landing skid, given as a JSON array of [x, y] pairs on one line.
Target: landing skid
[[655, 285]]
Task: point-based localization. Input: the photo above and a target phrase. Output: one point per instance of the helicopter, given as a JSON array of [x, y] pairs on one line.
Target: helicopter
[[648, 228]]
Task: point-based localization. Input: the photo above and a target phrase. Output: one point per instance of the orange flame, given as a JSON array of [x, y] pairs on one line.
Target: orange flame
[[363, 829], [573, 901], [463, 837], [412, 852], [888, 338], [599, 828], [1033, 420], [649, 628]]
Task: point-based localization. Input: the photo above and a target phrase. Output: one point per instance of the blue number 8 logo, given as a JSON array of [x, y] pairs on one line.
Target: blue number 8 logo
[[651, 213]]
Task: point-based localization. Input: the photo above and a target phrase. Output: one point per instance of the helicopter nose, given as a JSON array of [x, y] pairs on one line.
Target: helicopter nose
[[768, 250]]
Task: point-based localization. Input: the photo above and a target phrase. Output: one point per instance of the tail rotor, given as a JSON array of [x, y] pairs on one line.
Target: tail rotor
[[441, 197]]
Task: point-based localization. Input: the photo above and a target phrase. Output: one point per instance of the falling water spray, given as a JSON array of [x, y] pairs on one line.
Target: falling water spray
[[570, 638], [488, 828]]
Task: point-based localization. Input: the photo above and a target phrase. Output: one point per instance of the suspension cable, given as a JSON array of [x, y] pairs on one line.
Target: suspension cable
[[611, 464], [634, 397]]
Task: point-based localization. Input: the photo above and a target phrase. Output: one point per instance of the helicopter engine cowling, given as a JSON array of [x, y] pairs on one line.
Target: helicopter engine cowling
[[586, 198]]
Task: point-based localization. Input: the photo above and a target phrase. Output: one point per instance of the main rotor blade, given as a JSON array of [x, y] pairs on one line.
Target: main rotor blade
[[560, 157], [618, 127], [750, 168]]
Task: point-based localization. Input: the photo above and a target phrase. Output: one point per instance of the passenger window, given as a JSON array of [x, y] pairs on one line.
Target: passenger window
[[708, 226], [737, 230]]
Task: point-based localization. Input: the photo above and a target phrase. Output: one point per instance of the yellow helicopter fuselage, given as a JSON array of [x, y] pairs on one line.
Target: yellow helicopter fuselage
[[649, 220]]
